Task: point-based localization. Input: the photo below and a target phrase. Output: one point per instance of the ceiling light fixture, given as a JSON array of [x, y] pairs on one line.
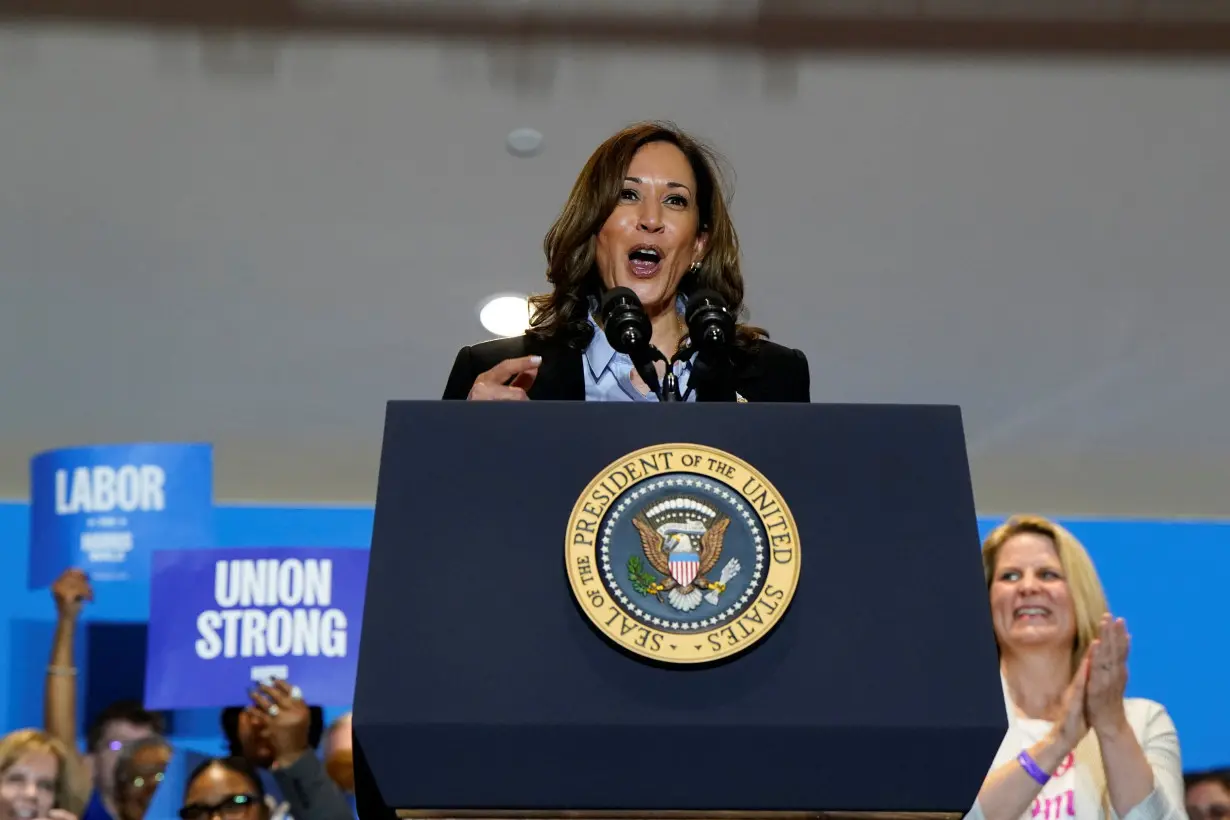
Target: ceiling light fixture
[[524, 142], [505, 314]]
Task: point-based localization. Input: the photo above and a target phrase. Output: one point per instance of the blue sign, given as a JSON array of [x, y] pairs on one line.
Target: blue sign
[[224, 619], [106, 509]]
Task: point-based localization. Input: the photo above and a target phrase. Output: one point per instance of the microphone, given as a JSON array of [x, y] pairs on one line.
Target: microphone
[[627, 328], [711, 327], [625, 322], [711, 334]]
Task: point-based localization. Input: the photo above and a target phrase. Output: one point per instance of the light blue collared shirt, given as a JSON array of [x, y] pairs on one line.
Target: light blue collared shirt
[[608, 374]]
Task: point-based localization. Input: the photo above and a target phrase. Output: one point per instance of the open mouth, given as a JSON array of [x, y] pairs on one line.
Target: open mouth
[[1030, 613], [645, 260], [25, 812]]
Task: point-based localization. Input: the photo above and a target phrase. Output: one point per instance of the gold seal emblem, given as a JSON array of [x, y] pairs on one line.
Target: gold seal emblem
[[682, 553]]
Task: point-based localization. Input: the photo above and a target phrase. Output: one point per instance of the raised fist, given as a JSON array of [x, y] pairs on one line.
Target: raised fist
[[70, 591]]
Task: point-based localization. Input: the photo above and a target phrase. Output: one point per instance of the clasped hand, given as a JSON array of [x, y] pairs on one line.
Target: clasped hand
[[1094, 698], [286, 718]]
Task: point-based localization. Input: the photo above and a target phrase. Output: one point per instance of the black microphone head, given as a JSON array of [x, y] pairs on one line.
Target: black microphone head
[[616, 298], [625, 322], [702, 298], [710, 323]]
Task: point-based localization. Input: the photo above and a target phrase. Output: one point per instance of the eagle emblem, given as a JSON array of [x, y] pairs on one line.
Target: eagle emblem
[[681, 538], [668, 550]]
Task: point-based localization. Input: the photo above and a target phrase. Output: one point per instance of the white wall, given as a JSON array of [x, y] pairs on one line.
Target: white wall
[[262, 255]]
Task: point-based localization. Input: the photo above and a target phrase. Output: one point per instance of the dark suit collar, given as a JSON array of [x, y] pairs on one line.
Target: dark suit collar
[[561, 377], [737, 378]]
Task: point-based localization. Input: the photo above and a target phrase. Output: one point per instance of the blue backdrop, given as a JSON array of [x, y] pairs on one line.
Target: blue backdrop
[[1167, 578]]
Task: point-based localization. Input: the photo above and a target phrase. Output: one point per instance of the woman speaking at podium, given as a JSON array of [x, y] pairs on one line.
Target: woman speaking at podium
[[1075, 746], [647, 214]]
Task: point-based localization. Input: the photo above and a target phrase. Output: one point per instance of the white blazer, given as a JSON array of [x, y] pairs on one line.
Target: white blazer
[[1154, 730]]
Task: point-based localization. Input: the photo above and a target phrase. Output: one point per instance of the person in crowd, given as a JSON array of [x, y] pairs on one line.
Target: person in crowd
[[139, 771], [339, 753], [225, 788], [278, 734], [648, 213], [118, 724], [1075, 746], [38, 775], [1208, 795]]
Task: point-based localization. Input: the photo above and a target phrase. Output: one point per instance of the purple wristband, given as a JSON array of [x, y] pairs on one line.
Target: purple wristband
[[1031, 766]]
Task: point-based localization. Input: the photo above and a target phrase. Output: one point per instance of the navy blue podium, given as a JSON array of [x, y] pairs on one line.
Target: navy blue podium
[[484, 690]]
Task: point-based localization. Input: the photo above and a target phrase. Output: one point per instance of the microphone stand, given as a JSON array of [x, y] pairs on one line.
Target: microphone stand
[[643, 360], [670, 386], [667, 390]]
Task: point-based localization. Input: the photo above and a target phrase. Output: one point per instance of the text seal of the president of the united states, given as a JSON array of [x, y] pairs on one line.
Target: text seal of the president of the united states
[[682, 553]]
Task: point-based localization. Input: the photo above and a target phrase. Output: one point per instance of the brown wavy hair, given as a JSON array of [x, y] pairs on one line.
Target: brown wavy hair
[[570, 245]]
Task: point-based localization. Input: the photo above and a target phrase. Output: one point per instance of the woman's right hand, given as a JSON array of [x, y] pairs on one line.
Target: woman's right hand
[[507, 381], [70, 591], [1074, 725], [1010, 789]]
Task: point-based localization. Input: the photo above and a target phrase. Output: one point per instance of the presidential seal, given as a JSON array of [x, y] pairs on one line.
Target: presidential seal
[[682, 553]]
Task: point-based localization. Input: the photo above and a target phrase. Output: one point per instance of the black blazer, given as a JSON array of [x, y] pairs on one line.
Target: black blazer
[[768, 372]]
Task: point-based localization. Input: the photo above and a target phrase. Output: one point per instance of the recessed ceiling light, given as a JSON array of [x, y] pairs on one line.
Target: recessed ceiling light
[[505, 314], [524, 142]]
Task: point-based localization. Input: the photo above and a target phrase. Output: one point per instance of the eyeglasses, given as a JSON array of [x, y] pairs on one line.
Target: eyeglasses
[[140, 781], [233, 807]]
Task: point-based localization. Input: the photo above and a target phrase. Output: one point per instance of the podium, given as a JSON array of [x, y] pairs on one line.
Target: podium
[[492, 683]]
